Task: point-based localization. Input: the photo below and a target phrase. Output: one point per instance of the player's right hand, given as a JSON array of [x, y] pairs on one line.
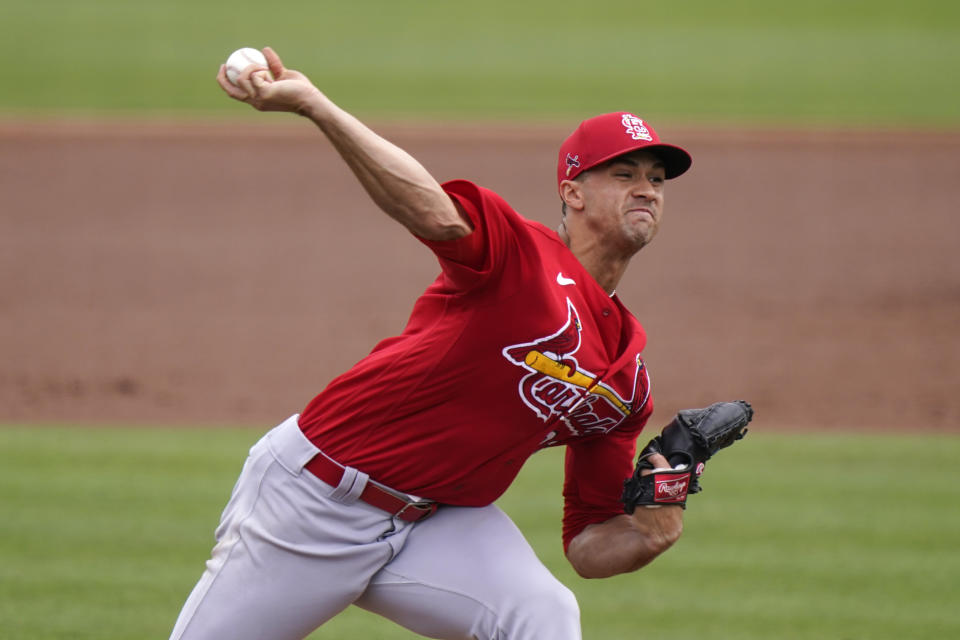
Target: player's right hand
[[273, 89]]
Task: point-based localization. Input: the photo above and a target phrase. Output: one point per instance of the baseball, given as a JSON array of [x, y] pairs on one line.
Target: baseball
[[241, 59]]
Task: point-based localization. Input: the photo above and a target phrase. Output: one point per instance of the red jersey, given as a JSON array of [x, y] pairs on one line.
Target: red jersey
[[513, 348]]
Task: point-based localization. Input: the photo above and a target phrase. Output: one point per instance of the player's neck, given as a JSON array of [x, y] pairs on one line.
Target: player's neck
[[606, 267], [607, 270], [606, 274]]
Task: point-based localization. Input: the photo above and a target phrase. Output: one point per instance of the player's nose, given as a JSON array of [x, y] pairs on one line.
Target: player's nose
[[643, 187]]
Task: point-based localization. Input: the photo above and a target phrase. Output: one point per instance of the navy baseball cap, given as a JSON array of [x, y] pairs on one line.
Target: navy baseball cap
[[607, 136]]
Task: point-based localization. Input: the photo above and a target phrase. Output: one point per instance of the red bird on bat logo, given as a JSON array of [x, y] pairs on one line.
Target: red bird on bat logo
[[556, 386]]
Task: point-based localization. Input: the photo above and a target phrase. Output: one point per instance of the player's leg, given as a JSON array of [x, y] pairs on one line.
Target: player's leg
[[469, 573], [291, 552]]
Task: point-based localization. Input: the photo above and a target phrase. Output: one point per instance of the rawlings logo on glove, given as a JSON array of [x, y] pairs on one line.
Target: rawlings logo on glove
[[670, 486], [690, 439]]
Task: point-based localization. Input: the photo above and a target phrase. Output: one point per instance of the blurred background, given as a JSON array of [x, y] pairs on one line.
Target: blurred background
[[171, 258], [171, 255], [853, 62]]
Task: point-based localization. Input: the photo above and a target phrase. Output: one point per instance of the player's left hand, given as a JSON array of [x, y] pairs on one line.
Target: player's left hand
[[669, 466]]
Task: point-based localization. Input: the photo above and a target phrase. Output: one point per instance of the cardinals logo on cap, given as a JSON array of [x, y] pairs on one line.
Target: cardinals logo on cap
[[635, 127], [573, 162]]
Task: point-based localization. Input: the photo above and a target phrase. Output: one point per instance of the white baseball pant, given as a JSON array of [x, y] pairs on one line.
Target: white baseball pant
[[292, 551]]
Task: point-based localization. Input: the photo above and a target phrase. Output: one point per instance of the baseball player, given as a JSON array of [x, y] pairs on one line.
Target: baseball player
[[380, 492]]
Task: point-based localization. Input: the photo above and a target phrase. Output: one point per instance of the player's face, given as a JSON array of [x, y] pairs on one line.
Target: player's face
[[623, 200]]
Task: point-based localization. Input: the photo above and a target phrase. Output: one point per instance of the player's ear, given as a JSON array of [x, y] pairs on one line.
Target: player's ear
[[571, 192]]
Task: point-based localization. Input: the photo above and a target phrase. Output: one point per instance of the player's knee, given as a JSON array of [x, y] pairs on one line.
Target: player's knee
[[554, 609], [563, 603]]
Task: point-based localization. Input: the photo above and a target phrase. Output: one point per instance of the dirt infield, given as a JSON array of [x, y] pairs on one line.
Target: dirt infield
[[158, 273]]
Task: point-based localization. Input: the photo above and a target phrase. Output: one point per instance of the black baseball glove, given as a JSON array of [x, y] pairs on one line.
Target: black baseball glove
[[690, 439]]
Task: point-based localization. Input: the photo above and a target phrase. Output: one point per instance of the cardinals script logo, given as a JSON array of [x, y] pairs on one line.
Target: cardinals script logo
[[635, 127], [557, 387]]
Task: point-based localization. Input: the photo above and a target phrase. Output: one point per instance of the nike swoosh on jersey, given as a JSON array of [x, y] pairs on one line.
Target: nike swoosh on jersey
[[562, 280]]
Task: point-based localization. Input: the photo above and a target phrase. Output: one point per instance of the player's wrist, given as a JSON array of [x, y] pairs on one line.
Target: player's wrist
[[313, 105]]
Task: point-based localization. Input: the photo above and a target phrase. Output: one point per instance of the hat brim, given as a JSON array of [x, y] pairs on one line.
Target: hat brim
[[675, 160]]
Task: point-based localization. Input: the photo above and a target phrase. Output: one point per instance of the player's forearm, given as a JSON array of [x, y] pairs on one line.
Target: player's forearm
[[625, 543], [395, 180]]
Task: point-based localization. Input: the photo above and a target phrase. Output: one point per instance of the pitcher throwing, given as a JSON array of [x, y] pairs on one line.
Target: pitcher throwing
[[380, 492]]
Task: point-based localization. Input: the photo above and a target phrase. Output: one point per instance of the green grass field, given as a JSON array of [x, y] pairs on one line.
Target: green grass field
[[848, 62], [103, 532]]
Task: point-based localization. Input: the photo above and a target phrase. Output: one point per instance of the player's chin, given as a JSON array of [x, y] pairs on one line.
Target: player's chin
[[632, 244], [641, 232]]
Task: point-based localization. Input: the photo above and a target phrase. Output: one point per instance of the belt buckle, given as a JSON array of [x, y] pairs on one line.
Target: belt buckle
[[424, 509]]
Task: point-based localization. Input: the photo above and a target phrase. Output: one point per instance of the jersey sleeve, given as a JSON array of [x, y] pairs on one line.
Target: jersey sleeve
[[479, 255], [593, 480]]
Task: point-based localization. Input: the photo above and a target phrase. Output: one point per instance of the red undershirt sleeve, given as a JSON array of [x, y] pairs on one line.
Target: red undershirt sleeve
[[594, 474]]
